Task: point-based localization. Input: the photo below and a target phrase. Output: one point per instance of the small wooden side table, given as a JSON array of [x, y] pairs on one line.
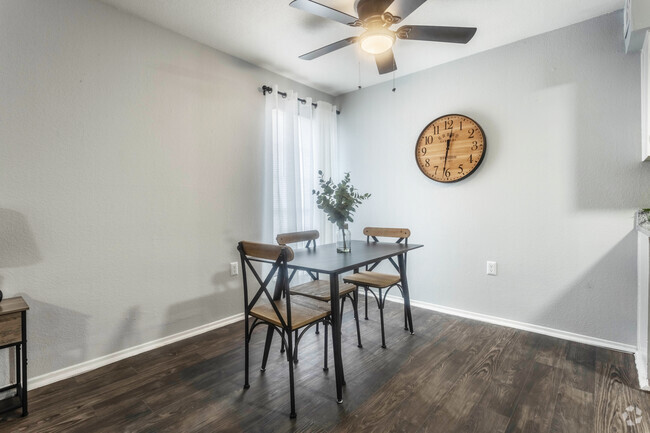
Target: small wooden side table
[[13, 333]]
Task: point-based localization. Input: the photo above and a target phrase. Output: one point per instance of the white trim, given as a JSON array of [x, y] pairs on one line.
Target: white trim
[[74, 370], [83, 367], [641, 368], [557, 333]]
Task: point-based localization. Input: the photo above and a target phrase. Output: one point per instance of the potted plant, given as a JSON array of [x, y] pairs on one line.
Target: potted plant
[[339, 202]]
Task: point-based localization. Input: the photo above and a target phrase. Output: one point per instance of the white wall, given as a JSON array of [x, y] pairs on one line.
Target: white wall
[[131, 163], [552, 203]]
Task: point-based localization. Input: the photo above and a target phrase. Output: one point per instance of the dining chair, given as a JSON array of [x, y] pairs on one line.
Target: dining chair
[[318, 289], [280, 315], [370, 280]]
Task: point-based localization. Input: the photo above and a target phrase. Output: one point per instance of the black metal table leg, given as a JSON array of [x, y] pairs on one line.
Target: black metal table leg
[[336, 336], [401, 259], [24, 372], [19, 377]]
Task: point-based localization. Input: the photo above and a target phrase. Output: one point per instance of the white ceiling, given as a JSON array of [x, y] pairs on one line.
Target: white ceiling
[[272, 35]]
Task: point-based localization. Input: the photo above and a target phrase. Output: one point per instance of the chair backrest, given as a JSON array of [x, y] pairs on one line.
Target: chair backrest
[[265, 251], [401, 233], [280, 255], [308, 236]]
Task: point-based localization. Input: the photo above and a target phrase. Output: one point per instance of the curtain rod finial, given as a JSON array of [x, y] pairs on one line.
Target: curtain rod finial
[[266, 89]]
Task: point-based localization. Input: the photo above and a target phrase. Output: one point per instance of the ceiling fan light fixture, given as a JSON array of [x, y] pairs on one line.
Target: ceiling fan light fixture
[[377, 41]]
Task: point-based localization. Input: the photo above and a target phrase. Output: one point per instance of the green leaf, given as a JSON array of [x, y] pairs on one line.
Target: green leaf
[[338, 201]]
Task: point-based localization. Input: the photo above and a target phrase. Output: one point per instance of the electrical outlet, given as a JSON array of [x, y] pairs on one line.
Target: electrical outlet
[[234, 269], [491, 268]]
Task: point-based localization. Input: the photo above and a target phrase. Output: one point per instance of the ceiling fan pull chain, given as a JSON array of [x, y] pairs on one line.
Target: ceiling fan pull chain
[[393, 81], [359, 85]]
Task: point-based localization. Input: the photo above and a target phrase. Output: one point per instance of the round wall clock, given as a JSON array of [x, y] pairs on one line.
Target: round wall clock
[[450, 148]]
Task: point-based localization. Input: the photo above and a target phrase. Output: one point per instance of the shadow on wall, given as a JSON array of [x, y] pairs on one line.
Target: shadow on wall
[[604, 132], [614, 153], [17, 249], [67, 327], [17, 245], [127, 335], [206, 309], [582, 304], [220, 281]]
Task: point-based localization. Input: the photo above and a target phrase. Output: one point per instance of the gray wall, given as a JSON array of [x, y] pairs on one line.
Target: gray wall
[[553, 201], [130, 165]]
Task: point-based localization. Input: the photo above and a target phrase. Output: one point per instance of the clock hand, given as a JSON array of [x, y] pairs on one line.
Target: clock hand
[[444, 167]]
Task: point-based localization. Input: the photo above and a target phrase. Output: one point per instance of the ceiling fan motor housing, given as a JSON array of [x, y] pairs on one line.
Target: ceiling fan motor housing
[[368, 8]]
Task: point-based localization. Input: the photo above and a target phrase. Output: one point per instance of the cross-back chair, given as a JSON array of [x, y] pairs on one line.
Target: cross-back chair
[[280, 315], [318, 289], [383, 283]]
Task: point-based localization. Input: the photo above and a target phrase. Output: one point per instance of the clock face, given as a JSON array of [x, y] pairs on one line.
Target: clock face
[[450, 148]]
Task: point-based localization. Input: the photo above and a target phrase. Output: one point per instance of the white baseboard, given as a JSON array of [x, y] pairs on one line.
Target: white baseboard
[[92, 364], [565, 335], [642, 370], [74, 370]]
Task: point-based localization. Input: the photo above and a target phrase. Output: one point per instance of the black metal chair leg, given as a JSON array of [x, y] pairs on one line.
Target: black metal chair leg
[[365, 289], [267, 347], [295, 349], [291, 390], [317, 331], [341, 315], [406, 326], [355, 304], [326, 344], [246, 358], [381, 319], [282, 343]]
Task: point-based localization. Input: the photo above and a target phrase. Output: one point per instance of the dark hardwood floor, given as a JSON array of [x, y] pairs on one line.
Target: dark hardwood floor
[[453, 375]]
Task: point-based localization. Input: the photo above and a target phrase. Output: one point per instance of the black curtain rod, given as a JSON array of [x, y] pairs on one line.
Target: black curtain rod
[[266, 89]]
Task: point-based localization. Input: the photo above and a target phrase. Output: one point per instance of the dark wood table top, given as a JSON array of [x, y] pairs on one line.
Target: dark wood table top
[[326, 260]]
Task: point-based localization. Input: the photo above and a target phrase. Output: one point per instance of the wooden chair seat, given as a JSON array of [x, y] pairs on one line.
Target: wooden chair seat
[[314, 304], [372, 279], [320, 290], [302, 312]]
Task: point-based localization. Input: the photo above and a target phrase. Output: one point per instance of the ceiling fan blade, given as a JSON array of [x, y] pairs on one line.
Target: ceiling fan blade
[[404, 8], [458, 35], [323, 11], [386, 62], [329, 48]]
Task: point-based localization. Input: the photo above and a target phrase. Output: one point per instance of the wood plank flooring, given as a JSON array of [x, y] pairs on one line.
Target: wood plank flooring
[[453, 375]]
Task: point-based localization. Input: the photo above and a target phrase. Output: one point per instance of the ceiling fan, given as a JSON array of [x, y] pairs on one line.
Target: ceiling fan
[[378, 38]]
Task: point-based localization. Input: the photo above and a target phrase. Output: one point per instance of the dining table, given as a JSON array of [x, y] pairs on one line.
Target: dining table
[[324, 259]]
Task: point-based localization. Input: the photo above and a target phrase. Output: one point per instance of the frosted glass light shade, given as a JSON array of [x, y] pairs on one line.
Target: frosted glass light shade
[[377, 41]]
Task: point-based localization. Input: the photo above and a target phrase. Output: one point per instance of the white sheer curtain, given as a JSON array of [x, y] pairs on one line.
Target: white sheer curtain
[[300, 140]]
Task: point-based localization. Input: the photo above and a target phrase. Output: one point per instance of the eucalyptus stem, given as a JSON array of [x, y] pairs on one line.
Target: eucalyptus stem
[[338, 201]]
